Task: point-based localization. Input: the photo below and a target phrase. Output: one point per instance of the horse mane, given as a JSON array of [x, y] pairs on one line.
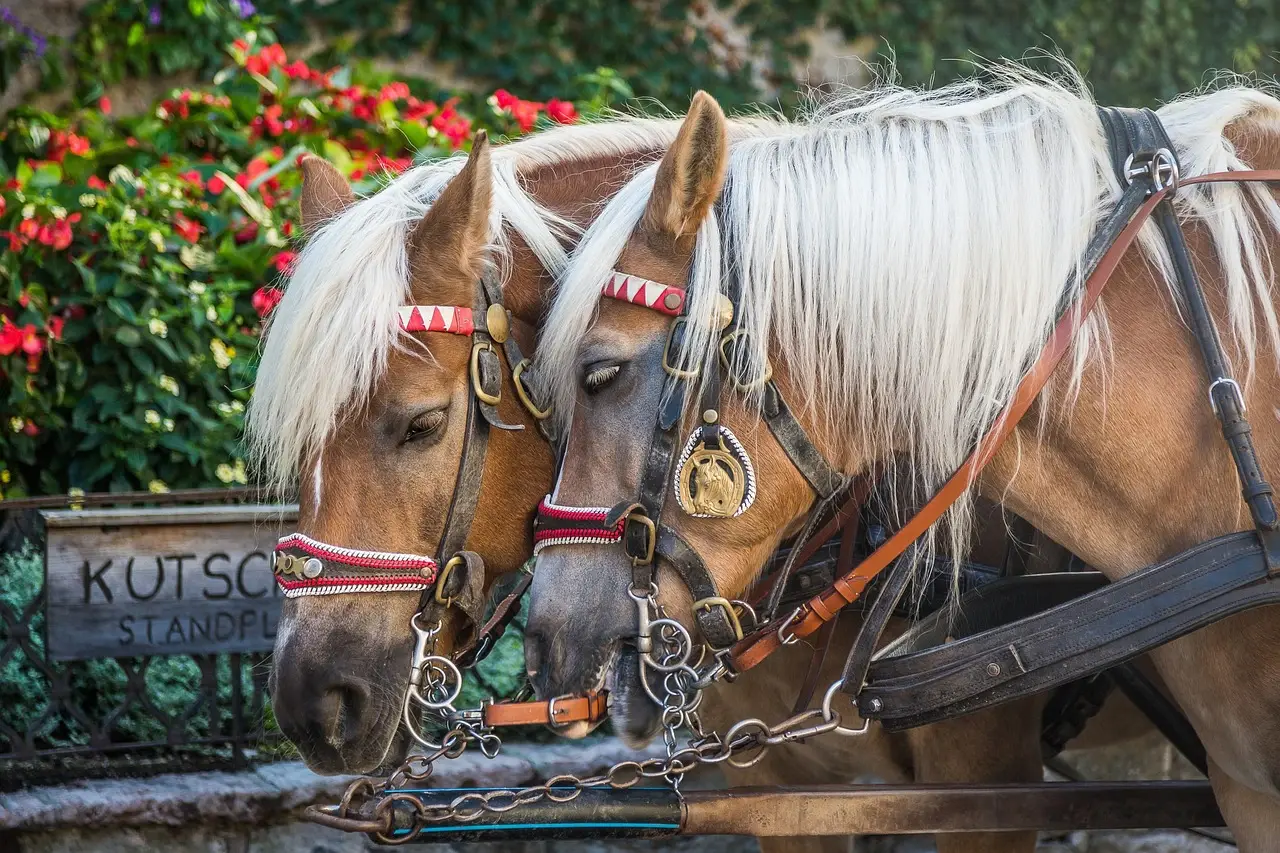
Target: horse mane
[[327, 342], [909, 251]]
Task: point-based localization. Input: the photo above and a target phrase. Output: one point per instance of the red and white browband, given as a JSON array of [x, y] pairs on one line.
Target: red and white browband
[[436, 318], [574, 528], [324, 569], [645, 293]]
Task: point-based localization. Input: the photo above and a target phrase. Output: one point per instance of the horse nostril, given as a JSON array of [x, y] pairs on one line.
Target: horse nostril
[[343, 707], [534, 653]]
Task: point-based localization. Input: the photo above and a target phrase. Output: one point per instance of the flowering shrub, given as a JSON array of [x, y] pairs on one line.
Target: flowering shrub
[[138, 257]]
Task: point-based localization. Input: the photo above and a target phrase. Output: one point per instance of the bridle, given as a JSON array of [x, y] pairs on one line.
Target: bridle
[[1149, 175], [454, 577]]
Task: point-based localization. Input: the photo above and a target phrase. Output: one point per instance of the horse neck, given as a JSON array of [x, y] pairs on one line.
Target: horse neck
[[1135, 469], [575, 188]]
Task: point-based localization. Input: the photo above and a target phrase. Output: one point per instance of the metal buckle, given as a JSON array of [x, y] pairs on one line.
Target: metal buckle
[[1224, 380], [476, 385], [522, 393], [1160, 166], [443, 578], [724, 604], [670, 369], [551, 711], [739, 386], [651, 539]]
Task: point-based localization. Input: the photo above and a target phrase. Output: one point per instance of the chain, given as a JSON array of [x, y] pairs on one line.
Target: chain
[[665, 648]]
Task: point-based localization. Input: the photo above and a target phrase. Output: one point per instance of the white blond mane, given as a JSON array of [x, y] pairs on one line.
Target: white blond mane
[[908, 251], [328, 340]]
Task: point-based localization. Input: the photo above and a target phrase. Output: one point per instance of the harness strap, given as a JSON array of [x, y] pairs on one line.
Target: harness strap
[[590, 707], [1133, 210]]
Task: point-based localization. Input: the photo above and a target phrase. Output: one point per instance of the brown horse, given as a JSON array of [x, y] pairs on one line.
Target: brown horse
[[899, 260], [367, 421]]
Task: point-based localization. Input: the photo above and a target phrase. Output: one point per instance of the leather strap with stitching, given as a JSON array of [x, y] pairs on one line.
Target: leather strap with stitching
[[589, 708]]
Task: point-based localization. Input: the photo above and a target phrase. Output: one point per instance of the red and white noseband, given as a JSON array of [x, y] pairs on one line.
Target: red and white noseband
[[304, 566]]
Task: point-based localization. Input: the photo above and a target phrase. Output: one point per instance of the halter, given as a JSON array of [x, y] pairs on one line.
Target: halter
[[637, 524], [305, 566]]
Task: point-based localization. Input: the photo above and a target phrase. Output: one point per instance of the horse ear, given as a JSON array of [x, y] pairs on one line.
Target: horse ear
[[692, 172], [325, 193], [453, 234]]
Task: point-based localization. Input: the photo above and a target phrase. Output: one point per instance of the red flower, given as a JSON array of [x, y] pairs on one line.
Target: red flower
[[504, 99], [76, 312], [247, 233], [241, 45], [96, 183], [526, 114], [297, 70], [24, 298], [131, 141], [104, 105], [265, 299], [28, 228], [30, 427], [396, 91], [10, 337], [561, 112], [56, 234], [216, 185], [55, 327], [186, 228], [15, 242], [78, 145], [3, 205], [31, 343], [192, 177], [283, 262]]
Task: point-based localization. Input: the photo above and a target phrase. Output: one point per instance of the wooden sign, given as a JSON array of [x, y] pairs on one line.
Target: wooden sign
[[180, 580]]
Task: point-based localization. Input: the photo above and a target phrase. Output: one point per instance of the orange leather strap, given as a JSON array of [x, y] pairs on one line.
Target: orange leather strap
[[591, 708], [753, 649]]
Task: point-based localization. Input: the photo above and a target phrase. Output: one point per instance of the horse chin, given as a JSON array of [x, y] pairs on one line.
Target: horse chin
[[636, 720]]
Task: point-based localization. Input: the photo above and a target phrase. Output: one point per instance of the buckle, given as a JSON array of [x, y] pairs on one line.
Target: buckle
[[738, 385], [667, 366], [651, 536], [476, 385], [1233, 385], [522, 393], [443, 578], [727, 606]]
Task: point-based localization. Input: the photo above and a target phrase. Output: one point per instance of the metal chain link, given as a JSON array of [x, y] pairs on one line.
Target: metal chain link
[[665, 648]]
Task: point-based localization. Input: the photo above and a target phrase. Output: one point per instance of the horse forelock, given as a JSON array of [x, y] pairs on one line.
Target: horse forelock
[[907, 253], [328, 341]]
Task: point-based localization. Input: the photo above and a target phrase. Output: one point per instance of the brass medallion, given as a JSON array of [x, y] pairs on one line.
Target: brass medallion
[[714, 480]]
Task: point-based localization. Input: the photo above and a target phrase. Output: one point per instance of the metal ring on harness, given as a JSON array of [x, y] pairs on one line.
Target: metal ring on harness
[[738, 385], [522, 393], [445, 574], [672, 370], [829, 715], [476, 385], [1161, 163]]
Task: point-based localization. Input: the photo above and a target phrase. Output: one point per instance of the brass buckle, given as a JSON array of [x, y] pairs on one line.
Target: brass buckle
[[742, 387], [443, 578], [672, 370], [651, 541], [726, 605], [523, 393], [481, 394]]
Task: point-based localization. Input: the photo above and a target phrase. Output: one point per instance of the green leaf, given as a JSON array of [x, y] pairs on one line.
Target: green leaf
[[128, 336], [122, 309], [136, 33]]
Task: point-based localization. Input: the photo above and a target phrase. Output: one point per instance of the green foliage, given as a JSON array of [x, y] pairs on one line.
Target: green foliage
[[140, 255], [1133, 53]]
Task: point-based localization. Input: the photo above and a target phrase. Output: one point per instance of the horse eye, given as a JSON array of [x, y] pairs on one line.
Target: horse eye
[[424, 425], [600, 377]]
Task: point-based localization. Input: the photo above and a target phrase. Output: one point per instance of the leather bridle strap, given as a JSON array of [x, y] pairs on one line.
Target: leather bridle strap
[[1135, 207], [589, 708]]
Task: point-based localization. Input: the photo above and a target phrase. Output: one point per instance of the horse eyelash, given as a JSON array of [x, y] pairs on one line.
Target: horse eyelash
[[600, 377]]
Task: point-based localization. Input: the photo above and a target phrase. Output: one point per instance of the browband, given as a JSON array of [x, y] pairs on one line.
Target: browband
[[455, 320], [647, 294]]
